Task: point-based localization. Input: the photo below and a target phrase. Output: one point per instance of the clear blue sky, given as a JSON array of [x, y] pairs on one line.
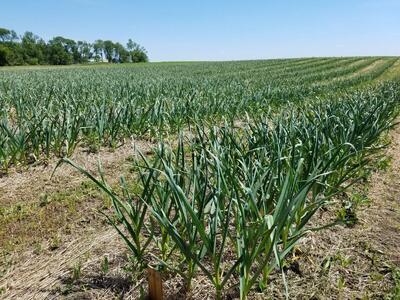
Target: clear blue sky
[[218, 29]]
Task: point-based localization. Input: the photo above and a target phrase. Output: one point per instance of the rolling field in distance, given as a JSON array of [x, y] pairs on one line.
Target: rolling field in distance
[[247, 179]]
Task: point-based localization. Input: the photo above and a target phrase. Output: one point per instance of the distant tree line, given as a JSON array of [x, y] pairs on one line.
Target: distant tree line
[[30, 49]]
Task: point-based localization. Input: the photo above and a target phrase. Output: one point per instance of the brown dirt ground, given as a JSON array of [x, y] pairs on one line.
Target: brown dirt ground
[[14, 186], [338, 263], [52, 235]]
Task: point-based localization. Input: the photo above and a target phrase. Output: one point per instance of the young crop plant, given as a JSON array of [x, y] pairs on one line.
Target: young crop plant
[[53, 112], [231, 202]]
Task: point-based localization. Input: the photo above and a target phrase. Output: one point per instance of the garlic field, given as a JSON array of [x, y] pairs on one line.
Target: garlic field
[[242, 157]]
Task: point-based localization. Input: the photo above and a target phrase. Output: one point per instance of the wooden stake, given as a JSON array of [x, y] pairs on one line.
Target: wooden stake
[[155, 285]]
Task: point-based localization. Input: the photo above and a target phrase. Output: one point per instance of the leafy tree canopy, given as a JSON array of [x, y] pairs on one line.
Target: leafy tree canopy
[[31, 49]]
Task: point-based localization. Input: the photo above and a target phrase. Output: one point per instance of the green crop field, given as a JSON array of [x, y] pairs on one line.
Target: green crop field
[[49, 111], [243, 155]]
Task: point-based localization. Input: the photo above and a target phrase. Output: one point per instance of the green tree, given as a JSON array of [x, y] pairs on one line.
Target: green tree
[[85, 51], [139, 56], [32, 50], [11, 54], [61, 51], [57, 55], [137, 52], [98, 48], [4, 55], [109, 50], [121, 54], [131, 45], [7, 35]]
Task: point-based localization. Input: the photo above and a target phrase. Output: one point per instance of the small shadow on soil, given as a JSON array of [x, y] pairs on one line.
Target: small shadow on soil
[[117, 285]]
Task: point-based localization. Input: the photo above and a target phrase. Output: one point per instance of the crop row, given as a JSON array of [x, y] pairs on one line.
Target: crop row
[[46, 112], [231, 203]]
